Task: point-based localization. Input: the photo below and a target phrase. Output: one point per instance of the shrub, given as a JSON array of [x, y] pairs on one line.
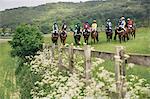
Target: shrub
[[27, 40], [45, 29]]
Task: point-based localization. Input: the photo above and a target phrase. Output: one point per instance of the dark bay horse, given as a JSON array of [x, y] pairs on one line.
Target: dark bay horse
[[94, 36], [86, 35], [77, 37], [63, 36], [54, 37], [109, 34]]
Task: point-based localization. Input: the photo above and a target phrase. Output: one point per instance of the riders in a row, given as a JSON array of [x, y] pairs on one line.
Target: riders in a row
[[87, 28]]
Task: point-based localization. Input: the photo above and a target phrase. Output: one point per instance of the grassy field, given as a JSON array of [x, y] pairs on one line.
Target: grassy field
[[8, 87], [141, 44]]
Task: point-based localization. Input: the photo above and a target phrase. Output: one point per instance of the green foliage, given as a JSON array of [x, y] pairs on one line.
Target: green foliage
[[26, 41], [45, 29], [7, 73], [25, 80], [77, 12]]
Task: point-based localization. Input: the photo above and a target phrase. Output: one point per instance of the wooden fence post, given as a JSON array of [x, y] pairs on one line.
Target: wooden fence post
[[52, 52], [119, 70], [60, 57], [43, 46], [87, 54], [71, 58]]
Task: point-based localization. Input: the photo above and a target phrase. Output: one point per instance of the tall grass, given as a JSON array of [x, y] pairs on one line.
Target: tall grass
[[8, 85]]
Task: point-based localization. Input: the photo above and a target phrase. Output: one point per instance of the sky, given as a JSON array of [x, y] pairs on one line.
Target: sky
[[7, 4]]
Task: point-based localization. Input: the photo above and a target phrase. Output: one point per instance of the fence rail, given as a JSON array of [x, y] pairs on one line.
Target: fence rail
[[139, 59]]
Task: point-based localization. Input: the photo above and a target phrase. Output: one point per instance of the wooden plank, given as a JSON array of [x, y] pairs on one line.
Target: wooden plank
[[87, 54], [139, 59], [71, 58]]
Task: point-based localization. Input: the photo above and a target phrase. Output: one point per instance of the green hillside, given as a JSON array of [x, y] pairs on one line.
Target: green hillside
[[45, 15]]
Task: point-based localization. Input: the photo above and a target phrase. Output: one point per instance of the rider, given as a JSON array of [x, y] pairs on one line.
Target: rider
[[108, 25], [122, 23], [64, 27], [55, 28], [86, 26], [77, 29], [129, 23], [77, 33], [94, 26]]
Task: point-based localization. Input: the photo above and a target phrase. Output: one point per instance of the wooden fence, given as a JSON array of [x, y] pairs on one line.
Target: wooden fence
[[139, 59], [120, 58]]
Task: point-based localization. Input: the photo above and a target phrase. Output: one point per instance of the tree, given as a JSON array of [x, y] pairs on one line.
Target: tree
[[27, 40]]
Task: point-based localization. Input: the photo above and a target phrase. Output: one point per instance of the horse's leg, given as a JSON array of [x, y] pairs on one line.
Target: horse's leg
[[97, 38], [119, 36], [84, 40], [87, 40], [134, 34], [64, 41], [115, 35], [75, 39], [111, 37], [107, 38], [56, 41], [128, 37], [79, 40]]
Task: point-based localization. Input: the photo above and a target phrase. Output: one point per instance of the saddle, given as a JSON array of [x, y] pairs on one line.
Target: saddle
[[55, 35], [63, 34]]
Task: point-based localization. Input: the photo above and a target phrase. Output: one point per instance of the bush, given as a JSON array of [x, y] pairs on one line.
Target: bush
[[27, 40], [45, 29]]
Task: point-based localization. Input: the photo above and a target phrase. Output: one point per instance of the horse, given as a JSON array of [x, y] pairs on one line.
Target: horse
[[54, 38], [77, 37], [86, 35], [122, 34], [63, 36], [94, 36], [131, 31], [109, 34]]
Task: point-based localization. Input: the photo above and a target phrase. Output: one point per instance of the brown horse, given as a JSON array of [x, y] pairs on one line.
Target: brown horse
[[131, 31], [94, 36], [109, 35], [54, 38], [86, 35], [122, 35], [63, 36]]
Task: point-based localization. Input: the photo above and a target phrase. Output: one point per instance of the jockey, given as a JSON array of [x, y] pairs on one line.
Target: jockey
[[109, 25], [129, 23], [55, 28], [94, 26], [86, 26], [77, 29], [122, 23], [64, 27]]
